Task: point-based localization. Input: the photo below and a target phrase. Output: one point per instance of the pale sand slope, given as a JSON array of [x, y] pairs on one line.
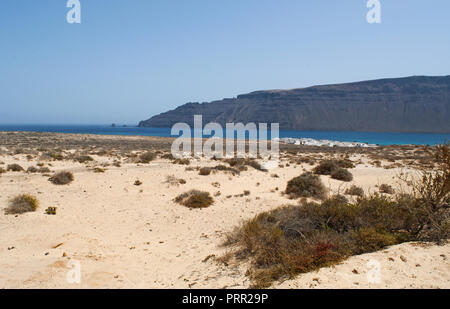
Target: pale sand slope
[[125, 238]]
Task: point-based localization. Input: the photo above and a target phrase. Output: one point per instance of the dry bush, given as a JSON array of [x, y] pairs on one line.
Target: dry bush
[[296, 239], [342, 174], [241, 162], [205, 171], [195, 199], [32, 169], [327, 167], [62, 178], [14, 168], [387, 189], [306, 185], [174, 181], [147, 157], [83, 159], [355, 191], [22, 204], [181, 161]]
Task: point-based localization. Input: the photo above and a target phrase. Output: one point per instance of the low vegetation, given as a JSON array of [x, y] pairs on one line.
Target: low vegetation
[[147, 157], [327, 167], [355, 191], [306, 185], [195, 199], [62, 178], [342, 174], [22, 204], [14, 168], [296, 239]]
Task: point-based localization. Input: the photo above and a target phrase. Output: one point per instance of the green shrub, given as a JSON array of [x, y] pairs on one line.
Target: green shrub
[[62, 178], [195, 199], [22, 204], [306, 185], [342, 174]]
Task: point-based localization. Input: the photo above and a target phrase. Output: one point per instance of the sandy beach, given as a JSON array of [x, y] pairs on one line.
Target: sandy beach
[[135, 236]]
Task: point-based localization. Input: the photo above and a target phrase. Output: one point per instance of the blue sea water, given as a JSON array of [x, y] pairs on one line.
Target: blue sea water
[[380, 138]]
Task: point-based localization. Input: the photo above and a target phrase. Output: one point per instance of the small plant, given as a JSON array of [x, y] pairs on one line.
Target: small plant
[[14, 168], [195, 199], [387, 189], [32, 169], [306, 185], [147, 157], [174, 181], [204, 171], [138, 183], [181, 161], [51, 211], [62, 178], [83, 159], [342, 174], [327, 167], [355, 191], [99, 170], [22, 204]]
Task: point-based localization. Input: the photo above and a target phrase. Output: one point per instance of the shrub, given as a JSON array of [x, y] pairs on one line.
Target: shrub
[[99, 170], [173, 181], [204, 171], [327, 167], [355, 191], [14, 168], [84, 159], [32, 169], [342, 174], [296, 239], [240, 163], [138, 183], [147, 157], [22, 204], [306, 185], [62, 178], [195, 199], [384, 188], [181, 161]]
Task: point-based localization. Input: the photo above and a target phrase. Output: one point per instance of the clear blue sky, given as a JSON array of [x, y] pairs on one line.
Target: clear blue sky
[[129, 60]]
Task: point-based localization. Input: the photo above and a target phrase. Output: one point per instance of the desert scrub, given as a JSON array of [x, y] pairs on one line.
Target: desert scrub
[[306, 185], [22, 204], [297, 239], [342, 174], [327, 167], [83, 159], [240, 163], [147, 157], [62, 178], [284, 242], [387, 189], [205, 171], [14, 168], [195, 199], [174, 181], [355, 191]]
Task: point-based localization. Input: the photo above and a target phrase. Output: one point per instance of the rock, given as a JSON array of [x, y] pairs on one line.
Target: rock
[[404, 259], [411, 104]]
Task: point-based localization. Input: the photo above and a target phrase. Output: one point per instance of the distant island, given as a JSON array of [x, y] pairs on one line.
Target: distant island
[[411, 104]]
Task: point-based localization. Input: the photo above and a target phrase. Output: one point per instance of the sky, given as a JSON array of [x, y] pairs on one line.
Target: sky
[[129, 60]]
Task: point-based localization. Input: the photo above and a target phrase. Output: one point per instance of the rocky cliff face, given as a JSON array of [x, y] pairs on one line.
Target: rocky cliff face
[[411, 104]]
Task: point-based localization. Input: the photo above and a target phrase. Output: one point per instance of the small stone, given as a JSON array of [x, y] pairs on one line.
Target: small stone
[[355, 271], [404, 259]]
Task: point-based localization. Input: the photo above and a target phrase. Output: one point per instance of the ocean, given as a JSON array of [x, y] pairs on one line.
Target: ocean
[[379, 138]]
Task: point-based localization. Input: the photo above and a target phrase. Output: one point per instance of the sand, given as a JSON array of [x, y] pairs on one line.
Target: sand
[[127, 236]]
